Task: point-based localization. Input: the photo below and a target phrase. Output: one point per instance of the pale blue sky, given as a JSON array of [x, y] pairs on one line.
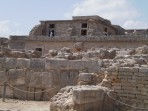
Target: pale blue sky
[[17, 17]]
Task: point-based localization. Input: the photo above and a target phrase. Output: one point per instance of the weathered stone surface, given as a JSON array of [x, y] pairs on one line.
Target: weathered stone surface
[[9, 92], [53, 52], [23, 63], [88, 94], [47, 79], [37, 64], [93, 66], [20, 94], [143, 70], [35, 80], [40, 80], [3, 77], [56, 64], [68, 78], [142, 50], [90, 66], [86, 77], [2, 63], [38, 96], [28, 76], [10, 63], [82, 98], [30, 94], [16, 76]]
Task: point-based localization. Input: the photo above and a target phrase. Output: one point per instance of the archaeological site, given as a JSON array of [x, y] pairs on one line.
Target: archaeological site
[[83, 64]]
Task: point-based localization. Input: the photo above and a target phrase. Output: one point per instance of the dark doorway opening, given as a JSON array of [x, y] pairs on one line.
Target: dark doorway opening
[[83, 32], [51, 33]]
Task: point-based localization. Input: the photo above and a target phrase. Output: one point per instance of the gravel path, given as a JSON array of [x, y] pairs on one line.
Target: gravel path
[[19, 105]]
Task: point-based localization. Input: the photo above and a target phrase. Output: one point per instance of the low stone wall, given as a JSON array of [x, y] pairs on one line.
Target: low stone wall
[[111, 38], [40, 79], [130, 85]]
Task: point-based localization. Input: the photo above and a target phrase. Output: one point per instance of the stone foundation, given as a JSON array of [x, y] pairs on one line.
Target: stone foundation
[[40, 79]]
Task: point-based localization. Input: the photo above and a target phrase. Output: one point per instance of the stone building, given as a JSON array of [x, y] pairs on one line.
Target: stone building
[[89, 31], [78, 26]]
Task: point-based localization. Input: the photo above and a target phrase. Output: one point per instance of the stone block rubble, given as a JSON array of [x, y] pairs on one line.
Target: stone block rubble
[[124, 71], [82, 98]]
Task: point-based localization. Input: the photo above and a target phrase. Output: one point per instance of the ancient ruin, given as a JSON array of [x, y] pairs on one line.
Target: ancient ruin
[[84, 64]]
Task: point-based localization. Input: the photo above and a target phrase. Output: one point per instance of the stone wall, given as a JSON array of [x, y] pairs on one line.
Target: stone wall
[[17, 42], [130, 85], [40, 79], [47, 43]]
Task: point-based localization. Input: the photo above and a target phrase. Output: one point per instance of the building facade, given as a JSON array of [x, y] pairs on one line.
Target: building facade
[[78, 26], [90, 31]]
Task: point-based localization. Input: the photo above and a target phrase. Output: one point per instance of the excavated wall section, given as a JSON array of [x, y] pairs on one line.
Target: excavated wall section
[[40, 79]]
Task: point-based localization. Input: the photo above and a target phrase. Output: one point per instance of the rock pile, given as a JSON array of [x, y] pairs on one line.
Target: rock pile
[[6, 52], [110, 57]]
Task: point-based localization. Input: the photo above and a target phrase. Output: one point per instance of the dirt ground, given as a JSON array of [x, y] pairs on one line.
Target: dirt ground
[[18, 105]]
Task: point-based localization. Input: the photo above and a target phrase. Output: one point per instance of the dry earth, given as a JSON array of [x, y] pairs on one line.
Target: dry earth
[[18, 105]]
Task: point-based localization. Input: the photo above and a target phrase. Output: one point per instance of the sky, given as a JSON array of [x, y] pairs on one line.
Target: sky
[[18, 17]]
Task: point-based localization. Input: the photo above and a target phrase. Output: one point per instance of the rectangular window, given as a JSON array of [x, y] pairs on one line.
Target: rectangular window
[[38, 49], [51, 26], [105, 29], [83, 32], [84, 25]]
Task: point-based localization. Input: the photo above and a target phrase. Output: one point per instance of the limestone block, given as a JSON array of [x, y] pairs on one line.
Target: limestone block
[[68, 78], [2, 63], [143, 69], [3, 77], [37, 64], [10, 63], [38, 96], [76, 64], [41, 80], [9, 92], [64, 78], [111, 69], [93, 66], [87, 77], [135, 69], [73, 77], [16, 76], [20, 94], [23, 63], [88, 94], [56, 64], [1, 90], [124, 69], [35, 80], [31, 96], [28, 76], [47, 79]]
